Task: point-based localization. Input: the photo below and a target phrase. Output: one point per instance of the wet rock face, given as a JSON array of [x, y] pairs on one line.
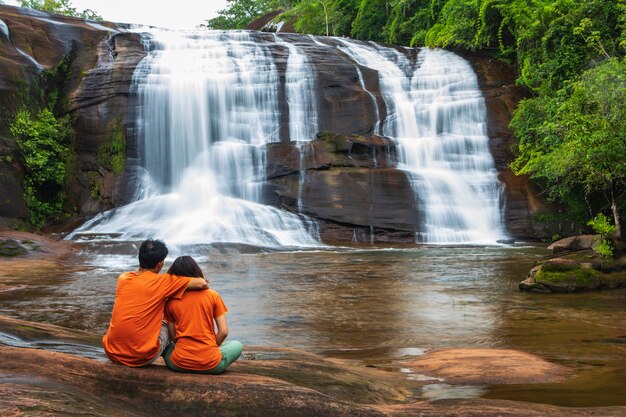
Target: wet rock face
[[574, 243], [28, 46], [343, 105], [476, 366], [350, 183], [264, 382], [102, 106], [330, 150], [93, 88]]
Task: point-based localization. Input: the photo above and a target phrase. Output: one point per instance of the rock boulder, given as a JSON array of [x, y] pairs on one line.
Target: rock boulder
[[488, 367], [576, 269]]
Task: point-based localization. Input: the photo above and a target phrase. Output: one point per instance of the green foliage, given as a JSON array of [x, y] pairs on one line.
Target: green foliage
[[457, 25], [239, 13], [605, 249], [63, 7], [112, 153], [582, 276], [90, 14], [577, 138], [602, 226], [323, 17], [43, 144], [95, 192], [408, 21], [370, 20]]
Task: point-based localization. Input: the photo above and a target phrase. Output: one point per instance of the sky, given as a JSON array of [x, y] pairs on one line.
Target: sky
[[179, 14]]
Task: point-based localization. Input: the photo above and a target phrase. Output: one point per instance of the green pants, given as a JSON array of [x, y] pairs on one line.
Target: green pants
[[230, 352]]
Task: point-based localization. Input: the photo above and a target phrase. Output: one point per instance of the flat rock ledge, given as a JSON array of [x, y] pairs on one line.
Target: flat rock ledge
[[24, 252], [477, 366], [576, 267], [16, 244], [265, 382]]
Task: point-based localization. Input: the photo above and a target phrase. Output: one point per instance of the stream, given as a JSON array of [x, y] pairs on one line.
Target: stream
[[378, 306]]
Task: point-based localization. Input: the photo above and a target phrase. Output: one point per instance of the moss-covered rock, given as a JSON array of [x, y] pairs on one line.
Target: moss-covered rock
[[567, 277], [580, 270], [10, 248]]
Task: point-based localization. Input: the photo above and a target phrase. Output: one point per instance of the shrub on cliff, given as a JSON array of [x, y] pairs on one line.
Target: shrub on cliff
[[44, 148]]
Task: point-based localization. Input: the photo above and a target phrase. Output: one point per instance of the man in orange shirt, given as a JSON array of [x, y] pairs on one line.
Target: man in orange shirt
[[137, 335]]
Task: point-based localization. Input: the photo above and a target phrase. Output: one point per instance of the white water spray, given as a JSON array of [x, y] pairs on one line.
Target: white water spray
[[208, 103], [437, 115]]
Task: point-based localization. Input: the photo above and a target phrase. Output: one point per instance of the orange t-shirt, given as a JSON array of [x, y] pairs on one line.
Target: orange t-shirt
[[196, 346], [133, 335]]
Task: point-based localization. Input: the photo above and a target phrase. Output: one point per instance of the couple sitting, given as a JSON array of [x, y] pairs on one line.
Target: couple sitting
[[138, 335]]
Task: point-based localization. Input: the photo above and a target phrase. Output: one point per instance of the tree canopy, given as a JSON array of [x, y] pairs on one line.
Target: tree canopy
[[239, 13], [578, 137], [63, 7]]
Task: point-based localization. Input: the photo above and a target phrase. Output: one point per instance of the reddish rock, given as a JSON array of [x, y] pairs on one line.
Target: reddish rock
[[496, 408], [264, 382], [32, 247], [22, 254], [488, 367], [155, 390]]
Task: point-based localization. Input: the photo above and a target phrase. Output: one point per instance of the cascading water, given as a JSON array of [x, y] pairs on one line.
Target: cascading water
[[437, 115], [301, 100], [208, 103], [455, 173], [300, 87]]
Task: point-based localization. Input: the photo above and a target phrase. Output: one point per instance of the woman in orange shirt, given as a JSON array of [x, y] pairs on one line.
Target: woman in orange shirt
[[191, 319]]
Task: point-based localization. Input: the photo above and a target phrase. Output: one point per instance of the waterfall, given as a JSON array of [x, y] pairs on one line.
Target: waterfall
[[208, 102], [4, 28], [300, 88], [437, 115]]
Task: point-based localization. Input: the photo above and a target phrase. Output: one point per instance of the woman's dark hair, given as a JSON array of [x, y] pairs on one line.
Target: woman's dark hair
[[151, 253], [185, 266]]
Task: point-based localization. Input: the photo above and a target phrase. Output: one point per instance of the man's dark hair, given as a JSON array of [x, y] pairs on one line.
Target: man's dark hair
[[151, 253]]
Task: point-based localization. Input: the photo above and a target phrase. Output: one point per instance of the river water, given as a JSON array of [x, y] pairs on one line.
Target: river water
[[377, 306]]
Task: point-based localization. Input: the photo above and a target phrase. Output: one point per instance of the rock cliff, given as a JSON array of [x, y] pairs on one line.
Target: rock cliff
[[93, 87], [354, 190]]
